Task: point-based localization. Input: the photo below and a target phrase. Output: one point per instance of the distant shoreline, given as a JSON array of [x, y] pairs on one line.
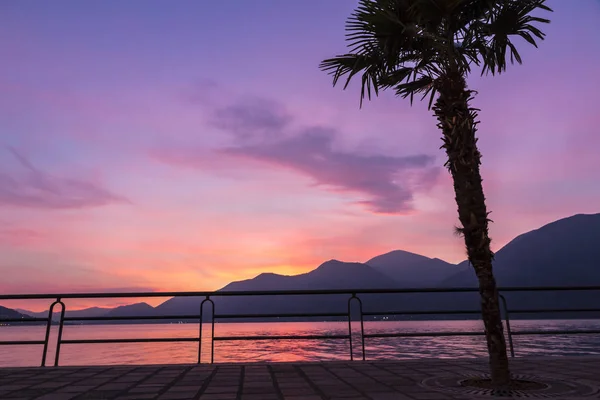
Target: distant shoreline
[[288, 320]]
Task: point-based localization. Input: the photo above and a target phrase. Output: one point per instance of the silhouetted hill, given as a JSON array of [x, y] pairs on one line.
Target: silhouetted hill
[[330, 275], [566, 252], [137, 309], [86, 312], [9, 313], [413, 270], [563, 253], [130, 310]]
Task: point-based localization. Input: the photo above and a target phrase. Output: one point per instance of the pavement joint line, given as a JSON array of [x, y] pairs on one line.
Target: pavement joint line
[[347, 383], [382, 368], [206, 382], [173, 383], [315, 387], [60, 387], [69, 383], [371, 377], [241, 383], [275, 383], [11, 382], [79, 396], [124, 391]]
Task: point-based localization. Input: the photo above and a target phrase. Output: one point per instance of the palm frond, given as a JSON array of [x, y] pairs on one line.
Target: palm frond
[[408, 45], [348, 65], [423, 85], [510, 18]]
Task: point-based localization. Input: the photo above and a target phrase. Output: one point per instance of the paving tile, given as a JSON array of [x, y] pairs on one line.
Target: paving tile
[[222, 387], [114, 386], [97, 382], [148, 389], [11, 388], [429, 396], [98, 395], [349, 398], [57, 396], [291, 385], [258, 383], [75, 389], [313, 397], [298, 391], [259, 397], [258, 390], [178, 395], [388, 396]]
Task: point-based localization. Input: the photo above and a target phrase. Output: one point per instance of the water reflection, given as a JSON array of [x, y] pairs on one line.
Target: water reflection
[[287, 350]]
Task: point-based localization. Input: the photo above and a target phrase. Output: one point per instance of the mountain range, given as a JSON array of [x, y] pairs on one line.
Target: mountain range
[[136, 309], [563, 253], [9, 313]]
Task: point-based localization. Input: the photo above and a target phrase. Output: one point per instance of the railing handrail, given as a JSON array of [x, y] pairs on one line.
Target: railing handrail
[[59, 297], [90, 295]]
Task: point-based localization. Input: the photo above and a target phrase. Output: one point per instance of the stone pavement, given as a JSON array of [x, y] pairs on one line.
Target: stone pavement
[[568, 377]]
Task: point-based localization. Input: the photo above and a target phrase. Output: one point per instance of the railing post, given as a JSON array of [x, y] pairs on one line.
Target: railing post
[[350, 327], [508, 330], [212, 334], [48, 328], [200, 329], [47, 336], [362, 326], [200, 335], [61, 323]]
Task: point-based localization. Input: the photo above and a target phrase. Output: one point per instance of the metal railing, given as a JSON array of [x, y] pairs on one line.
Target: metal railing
[[208, 296]]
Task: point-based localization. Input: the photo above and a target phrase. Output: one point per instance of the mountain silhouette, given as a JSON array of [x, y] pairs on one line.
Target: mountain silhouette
[[136, 309], [330, 275], [563, 253], [86, 312], [9, 313], [412, 270]]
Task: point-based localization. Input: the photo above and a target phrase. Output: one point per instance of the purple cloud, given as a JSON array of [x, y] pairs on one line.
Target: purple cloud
[[36, 189], [251, 118], [388, 182], [261, 132]]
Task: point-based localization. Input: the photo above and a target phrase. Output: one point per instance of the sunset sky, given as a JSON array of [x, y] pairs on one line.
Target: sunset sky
[[154, 145]]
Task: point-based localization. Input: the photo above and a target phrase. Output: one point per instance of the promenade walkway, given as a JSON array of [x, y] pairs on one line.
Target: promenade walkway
[[566, 378]]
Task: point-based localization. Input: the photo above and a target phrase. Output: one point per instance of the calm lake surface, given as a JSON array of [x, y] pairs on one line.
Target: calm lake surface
[[287, 350]]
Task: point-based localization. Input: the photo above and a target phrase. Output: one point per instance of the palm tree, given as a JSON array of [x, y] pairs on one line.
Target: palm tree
[[427, 48]]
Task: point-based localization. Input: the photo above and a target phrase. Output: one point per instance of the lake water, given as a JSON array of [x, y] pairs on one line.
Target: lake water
[[287, 350]]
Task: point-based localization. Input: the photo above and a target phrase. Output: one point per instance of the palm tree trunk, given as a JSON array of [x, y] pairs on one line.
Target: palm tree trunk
[[458, 124]]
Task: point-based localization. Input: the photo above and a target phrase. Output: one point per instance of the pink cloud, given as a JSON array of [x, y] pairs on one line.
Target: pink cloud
[[263, 136], [20, 237], [388, 182], [33, 188]]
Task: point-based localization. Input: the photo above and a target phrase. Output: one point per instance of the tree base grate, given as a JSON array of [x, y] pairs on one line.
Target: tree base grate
[[522, 386]]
